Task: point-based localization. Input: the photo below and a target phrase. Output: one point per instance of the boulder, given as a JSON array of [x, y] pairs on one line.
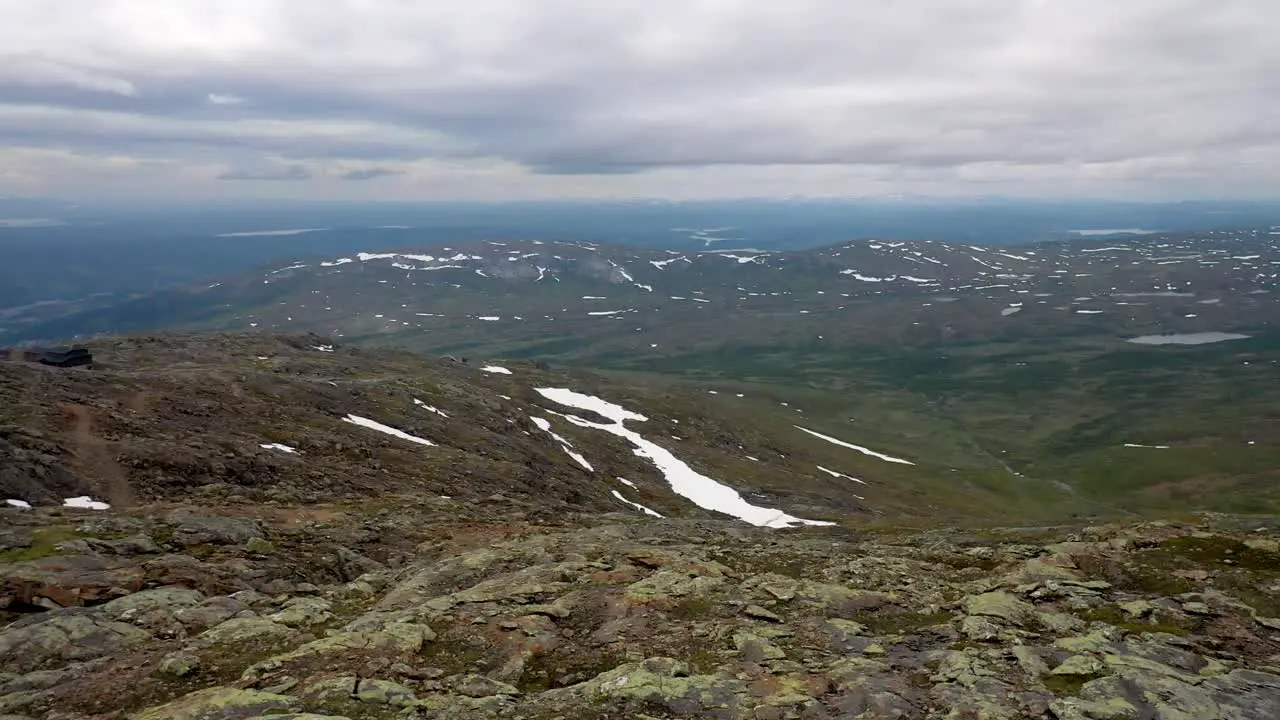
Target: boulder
[[59, 637], [68, 581], [1000, 605], [214, 530], [219, 703]]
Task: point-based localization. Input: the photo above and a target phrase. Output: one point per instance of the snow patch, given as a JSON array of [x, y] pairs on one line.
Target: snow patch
[[85, 502], [545, 425], [833, 473], [495, 369], [385, 429], [686, 482], [635, 505], [430, 408], [279, 446], [20, 504], [851, 446]]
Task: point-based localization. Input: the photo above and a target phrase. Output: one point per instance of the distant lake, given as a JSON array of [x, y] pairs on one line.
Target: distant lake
[[1203, 338], [1113, 231]]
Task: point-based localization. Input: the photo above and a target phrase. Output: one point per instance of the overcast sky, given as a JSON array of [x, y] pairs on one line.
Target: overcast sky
[[496, 99]]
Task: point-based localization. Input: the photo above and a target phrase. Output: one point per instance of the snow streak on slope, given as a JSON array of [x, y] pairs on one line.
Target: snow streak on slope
[[430, 408], [85, 502], [684, 480], [565, 445], [387, 429], [635, 505], [833, 473], [859, 448]]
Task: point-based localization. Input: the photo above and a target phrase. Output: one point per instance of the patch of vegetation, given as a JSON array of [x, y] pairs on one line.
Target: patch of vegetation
[[792, 565], [1220, 550], [454, 654], [897, 623], [702, 660], [1114, 616], [565, 666], [964, 561], [694, 608], [44, 543], [1148, 573], [1062, 685]]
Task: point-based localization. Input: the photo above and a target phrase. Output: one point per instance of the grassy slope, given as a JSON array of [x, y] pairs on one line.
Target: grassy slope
[[1053, 412]]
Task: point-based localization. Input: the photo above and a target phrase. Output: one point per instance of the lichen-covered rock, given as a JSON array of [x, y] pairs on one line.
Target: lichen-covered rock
[[999, 605], [215, 530], [755, 648], [260, 630], [665, 682], [479, 686], [62, 636], [154, 609], [219, 703], [1081, 665], [303, 612], [209, 613], [366, 690]]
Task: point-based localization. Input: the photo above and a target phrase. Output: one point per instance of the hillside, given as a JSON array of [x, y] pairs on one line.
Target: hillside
[[1013, 366], [258, 523], [225, 527]]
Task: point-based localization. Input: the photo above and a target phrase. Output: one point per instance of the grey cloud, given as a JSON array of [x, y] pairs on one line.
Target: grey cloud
[[630, 86], [370, 174], [289, 172]]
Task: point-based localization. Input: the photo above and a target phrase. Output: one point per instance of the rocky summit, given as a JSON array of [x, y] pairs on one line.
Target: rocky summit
[[254, 527]]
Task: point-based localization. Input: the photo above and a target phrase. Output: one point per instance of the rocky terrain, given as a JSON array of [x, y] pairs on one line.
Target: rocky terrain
[[258, 526], [431, 609]]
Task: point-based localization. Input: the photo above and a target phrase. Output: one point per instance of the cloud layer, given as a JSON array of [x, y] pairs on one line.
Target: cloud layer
[[662, 97]]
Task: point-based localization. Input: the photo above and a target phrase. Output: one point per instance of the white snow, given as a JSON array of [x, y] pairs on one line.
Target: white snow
[[495, 369], [1153, 447], [545, 425], [21, 504], [684, 480], [322, 348], [1010, 310], [279, 446], [339, 261], [86, 502], [430, 408], [865, 278], [851, 446], [635, 505], [833, 473], [386, 429], [489, 318], [606, 312], [626, 482]]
